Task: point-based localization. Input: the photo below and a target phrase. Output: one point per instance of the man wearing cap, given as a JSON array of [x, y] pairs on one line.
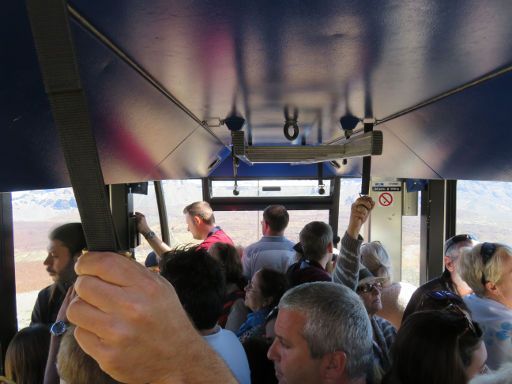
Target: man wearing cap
[[450, 280]]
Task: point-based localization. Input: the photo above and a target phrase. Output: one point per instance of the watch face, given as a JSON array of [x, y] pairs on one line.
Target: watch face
[[58, 328]]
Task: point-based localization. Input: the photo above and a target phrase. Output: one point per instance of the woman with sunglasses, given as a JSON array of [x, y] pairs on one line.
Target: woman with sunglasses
[[369, 289], [487, 268], [441, 346]]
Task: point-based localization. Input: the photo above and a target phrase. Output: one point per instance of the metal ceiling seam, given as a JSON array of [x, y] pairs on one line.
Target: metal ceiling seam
[[390, 131], [80, 19], [482, 79], [176, 147]]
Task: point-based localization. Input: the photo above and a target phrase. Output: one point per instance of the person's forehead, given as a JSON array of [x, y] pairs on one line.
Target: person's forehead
[[55, 244], [290, 323]]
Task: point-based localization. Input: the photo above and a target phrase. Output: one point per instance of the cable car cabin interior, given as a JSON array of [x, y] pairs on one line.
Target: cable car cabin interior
[[304, 104]]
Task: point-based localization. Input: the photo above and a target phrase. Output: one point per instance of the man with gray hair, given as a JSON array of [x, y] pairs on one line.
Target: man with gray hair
[[316, 241], [450, 280], [323, 335]]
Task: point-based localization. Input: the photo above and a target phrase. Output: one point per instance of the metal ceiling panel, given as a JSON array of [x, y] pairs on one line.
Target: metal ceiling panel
[[372, 57], [31, 157], [464, 136], [136, 127]]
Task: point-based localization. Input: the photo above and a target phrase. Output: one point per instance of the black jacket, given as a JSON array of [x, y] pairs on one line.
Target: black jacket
[[48, 304]]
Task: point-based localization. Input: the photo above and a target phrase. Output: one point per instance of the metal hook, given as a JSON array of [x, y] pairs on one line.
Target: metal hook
[[291, 122]]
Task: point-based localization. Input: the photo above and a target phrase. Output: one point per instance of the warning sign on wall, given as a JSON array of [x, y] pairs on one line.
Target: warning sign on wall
[[385, 199], [387, 186]]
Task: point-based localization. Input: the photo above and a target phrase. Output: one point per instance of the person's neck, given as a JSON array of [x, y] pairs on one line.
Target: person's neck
[[324, 260], [210, 331], [460, 285], [272, 233], [498, 299], [206, 230]]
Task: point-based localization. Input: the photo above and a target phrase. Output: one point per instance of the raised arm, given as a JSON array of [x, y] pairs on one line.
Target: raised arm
[[131, 322], [347, 265], [154, 241]]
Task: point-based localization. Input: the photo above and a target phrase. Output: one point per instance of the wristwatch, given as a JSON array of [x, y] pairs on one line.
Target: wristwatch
[[149, 235]]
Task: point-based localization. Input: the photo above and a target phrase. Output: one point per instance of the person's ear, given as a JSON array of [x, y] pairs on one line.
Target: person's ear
[[330, 247], [333, 366], [196, 220], [449, 264], [492, 288]]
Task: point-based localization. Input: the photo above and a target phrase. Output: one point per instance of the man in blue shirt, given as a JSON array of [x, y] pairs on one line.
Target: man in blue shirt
[[273, 250]]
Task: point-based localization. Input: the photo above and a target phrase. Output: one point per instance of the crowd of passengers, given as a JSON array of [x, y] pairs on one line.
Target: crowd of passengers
[[273, 312]]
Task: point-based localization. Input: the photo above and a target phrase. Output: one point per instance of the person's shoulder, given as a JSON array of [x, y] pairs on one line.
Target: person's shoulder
[[383, 323], [46, 291]]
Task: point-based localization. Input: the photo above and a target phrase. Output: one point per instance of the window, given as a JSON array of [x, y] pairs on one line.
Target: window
[[266, 188], [484, 209], [411, 247]]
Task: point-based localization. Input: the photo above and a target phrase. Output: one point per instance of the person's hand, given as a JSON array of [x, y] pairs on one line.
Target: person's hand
[[359, 213], [131, 322], [142, 224]]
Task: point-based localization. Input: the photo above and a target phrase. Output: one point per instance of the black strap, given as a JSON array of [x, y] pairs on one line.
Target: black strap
[[367, 166], [52, 37]]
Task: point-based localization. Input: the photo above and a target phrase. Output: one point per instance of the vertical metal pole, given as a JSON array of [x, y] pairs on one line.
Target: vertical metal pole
[[8, 316], [432, 230], [121, 204], [334, 211], [162, 212], [207, 186], [451, 208]]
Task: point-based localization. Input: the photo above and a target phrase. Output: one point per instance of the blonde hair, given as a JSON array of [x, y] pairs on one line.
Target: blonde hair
[[375, 257], [75, 366], [475, 273]]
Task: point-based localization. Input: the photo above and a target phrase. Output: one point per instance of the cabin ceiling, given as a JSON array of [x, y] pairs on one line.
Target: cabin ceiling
[[374, 59]]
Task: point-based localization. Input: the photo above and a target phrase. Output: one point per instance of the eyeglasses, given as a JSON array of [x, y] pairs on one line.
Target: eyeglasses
[[272, 314], [486, 252], [365, 288], [458, 239], [469, 325]]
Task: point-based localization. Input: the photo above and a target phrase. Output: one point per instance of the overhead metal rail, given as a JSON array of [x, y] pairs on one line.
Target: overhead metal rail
[[366, 144]]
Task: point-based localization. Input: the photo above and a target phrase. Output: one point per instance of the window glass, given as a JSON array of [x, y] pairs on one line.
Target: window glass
[[35, 214], [411, 247], [484, 209], [349, 192], [255, 188], [244, 227]]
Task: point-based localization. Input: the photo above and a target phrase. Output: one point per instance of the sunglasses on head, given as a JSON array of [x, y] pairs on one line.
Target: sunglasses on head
[[468, 323], [486, 252], [443, 295], [458, 239], [365, 288]]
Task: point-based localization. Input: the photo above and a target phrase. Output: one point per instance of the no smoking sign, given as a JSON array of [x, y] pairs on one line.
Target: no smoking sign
[[385, 199]]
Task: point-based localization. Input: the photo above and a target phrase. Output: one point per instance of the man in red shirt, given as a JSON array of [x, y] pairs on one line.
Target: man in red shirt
[[200, 223]]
